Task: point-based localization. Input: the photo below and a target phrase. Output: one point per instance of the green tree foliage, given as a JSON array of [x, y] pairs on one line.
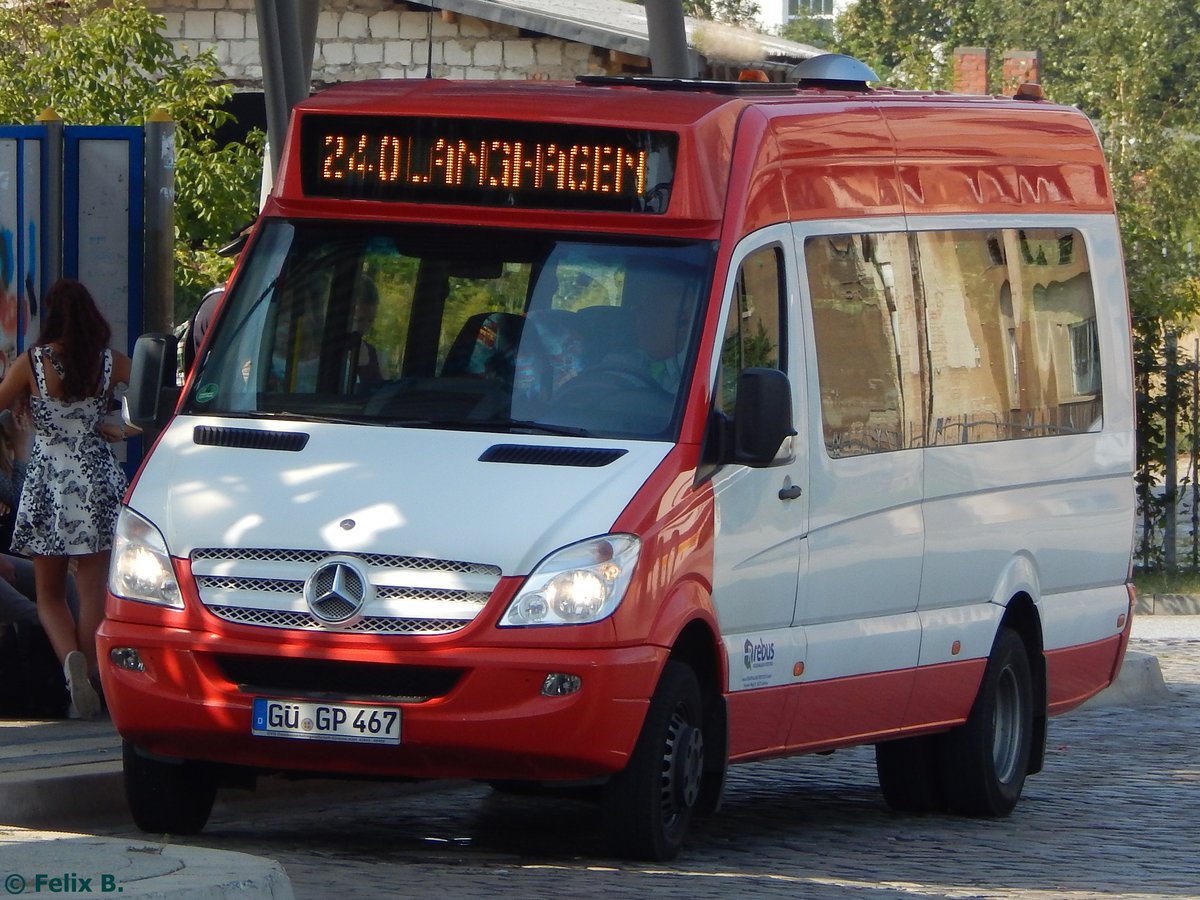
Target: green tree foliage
[[806, 28], [743, 13], [105, 62]]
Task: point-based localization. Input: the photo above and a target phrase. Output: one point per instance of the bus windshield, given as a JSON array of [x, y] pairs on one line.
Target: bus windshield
[[459, 328]]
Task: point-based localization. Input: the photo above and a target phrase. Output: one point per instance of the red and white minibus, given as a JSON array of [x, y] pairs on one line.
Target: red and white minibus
[[608, 433]]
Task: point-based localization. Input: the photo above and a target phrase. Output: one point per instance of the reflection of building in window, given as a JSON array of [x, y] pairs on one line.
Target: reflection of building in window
[[993, 339], [1085, 357]]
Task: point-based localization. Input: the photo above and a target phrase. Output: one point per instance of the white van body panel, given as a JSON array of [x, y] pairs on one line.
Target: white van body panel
[[759, 548], [393, 487]]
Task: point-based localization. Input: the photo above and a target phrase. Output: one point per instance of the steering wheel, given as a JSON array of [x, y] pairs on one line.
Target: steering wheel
[[600, 378]]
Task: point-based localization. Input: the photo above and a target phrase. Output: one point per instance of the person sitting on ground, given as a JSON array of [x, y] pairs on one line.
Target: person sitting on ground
[[18, 585]]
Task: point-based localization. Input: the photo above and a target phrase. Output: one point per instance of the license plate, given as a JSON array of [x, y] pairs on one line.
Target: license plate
[[325, 721]]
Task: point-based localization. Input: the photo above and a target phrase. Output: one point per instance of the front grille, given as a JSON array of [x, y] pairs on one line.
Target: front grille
[[313, 557], [304, 621], [331, 678], [411, 595]]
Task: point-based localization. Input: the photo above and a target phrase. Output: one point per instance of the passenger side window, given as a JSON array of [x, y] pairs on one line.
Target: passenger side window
[[865, 320], [1013, 345], [754, 331], [947, 337]]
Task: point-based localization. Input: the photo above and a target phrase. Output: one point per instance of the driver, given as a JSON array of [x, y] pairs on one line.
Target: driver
[[660, 304]]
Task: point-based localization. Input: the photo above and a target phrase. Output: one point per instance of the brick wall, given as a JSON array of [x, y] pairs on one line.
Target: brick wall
[[971, 70], [1019, 66], [358, 39]]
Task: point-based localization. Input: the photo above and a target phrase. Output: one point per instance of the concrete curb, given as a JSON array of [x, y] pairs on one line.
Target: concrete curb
[[61, 863], [62, 797], [1139, 683], [1167, 605]]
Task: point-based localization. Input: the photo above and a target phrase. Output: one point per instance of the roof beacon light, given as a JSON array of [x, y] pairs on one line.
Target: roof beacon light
[[835, 72], [1029, 90]]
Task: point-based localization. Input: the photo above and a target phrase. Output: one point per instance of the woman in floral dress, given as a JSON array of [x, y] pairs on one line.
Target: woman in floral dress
[[73, 484]]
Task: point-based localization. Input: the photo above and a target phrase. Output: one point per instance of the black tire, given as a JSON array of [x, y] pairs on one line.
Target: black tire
[[648, 805], [908, 773], [985, 760], [166, 797]]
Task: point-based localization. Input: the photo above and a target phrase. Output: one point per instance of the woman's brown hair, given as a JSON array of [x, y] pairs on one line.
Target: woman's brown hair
[[74, 322]]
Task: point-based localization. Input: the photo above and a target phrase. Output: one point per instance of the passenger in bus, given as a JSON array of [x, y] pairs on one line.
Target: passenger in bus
[[658, 304], [368, 370], [296, 360], [550, 354]]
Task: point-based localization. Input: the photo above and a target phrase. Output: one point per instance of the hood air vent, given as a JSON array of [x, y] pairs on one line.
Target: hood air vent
[[523, 454], [249, 438]]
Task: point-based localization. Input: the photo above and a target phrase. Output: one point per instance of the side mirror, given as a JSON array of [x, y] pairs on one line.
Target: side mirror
[[762, 416], [153, 391]]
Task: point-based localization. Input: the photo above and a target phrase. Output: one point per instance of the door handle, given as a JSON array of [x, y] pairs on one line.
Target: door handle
[[790, 492]]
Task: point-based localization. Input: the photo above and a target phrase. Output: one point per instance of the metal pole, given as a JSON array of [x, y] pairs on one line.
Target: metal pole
[[1195, 367], [286, 37], [669, 54], [158, 284], [52, 228], [1170, 449]]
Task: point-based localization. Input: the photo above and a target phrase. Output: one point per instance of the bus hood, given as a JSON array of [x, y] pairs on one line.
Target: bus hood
[[224, 483]]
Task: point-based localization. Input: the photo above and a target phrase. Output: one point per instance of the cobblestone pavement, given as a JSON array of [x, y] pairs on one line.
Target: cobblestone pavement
[[1116, 813]]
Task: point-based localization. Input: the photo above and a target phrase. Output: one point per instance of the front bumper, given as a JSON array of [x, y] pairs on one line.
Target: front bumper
[[488, 719]]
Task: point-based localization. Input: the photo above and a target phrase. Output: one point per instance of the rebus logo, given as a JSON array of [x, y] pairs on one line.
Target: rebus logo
[[762, 652]]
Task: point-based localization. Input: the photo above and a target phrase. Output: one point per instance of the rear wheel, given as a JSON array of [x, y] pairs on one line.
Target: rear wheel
[[168, 797], [986, 758], [647, 806]]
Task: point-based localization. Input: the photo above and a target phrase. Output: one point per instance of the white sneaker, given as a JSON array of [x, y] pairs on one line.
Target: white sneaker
[[83, 696]]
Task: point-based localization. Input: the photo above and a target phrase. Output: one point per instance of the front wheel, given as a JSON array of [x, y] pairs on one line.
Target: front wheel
[[986, 758], [168, 797], [648, 805]]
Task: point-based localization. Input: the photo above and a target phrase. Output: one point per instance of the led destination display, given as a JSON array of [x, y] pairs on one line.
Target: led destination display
[[485, 162]]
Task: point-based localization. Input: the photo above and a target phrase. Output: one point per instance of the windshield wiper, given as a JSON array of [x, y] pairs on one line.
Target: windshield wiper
[[528, 426]]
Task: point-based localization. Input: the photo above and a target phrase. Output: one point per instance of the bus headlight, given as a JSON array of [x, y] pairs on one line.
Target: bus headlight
[[141, 566], [576, 585]]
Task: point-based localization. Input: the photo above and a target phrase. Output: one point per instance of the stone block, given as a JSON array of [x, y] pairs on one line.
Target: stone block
[[336, 53], [327, 25], [398, 53], [383, 25], [230, 25], [456, 53], [368, 53], [518, 55], [199, 25], [489, 53], [548, 53], [352, 26]]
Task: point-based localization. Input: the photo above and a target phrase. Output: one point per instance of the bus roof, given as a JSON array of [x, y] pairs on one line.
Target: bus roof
[[789, 152]]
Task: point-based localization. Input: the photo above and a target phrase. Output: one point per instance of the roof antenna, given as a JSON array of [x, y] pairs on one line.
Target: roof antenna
[[429, 41]]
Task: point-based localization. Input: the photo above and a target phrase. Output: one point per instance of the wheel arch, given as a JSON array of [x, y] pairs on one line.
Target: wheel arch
[[698, 647], [1021, 615]]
